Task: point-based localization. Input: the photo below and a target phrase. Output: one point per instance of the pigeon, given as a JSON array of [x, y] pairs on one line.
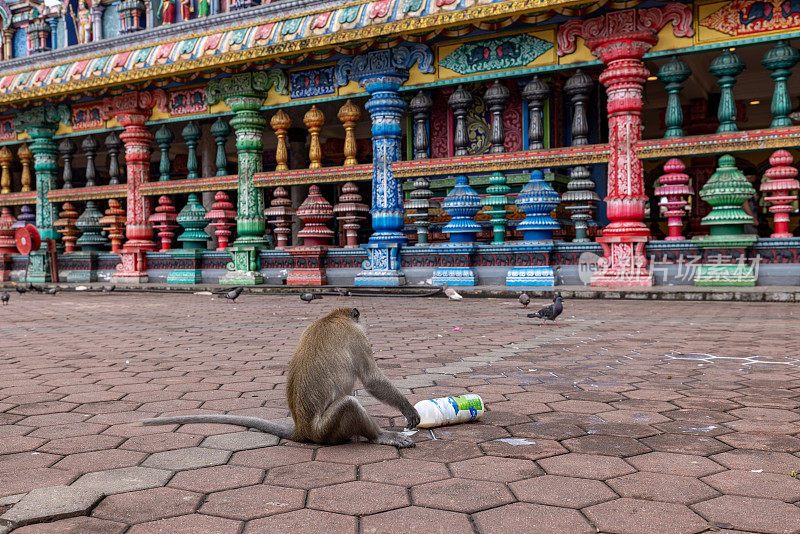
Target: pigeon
[[551, 312], [524, 299], [21, 290], [5, 298], [343, 292], [53, 290], [109, 289], [451, 293], [38, 289], [308, 297], [234, 293]]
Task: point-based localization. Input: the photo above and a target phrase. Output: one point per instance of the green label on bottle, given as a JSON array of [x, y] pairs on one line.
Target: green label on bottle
[[470, 403]]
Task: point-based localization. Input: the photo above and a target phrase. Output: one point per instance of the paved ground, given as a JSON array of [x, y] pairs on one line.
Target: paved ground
[[649, 417]]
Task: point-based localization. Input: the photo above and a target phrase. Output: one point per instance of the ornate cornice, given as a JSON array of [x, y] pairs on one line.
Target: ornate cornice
[[256, 41]]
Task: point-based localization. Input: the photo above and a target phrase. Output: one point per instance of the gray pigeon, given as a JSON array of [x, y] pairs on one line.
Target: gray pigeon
[[5, 298], [53, 290], [551, 312], [308, 297], [451, 293], [234, 294], [343, 292], [524, 299], [109, 289]]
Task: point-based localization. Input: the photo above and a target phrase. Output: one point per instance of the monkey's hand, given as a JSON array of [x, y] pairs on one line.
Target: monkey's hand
[[412, 418]]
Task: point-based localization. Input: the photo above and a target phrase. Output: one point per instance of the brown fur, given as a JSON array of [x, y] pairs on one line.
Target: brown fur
[[333, 351]]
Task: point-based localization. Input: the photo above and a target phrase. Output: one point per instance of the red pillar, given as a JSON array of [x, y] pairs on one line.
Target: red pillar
[[132, 110], [620, 39]]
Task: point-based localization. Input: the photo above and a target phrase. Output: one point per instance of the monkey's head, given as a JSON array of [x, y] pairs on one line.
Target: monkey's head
[[348, 313]]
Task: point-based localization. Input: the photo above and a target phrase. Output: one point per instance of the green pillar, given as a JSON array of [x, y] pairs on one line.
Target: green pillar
[[220, 130], [673, 74], [727, 66], [164, 138], [41, 124], [780, 59], [191, 135], [244, 94]]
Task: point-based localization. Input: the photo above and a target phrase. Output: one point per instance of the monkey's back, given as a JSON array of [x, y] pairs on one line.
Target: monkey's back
[[323, 369]]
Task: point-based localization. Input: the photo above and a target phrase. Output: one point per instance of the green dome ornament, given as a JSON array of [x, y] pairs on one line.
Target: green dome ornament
[[726, 191], [193, 219]]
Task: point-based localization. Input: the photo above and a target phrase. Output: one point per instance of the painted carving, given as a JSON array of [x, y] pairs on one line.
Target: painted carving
[[746, 17], [166, 12], [312, 82], [187, 101], [87, 117], [84, 22], [495, 54], [7, 129], [186, 9], [626, 21]]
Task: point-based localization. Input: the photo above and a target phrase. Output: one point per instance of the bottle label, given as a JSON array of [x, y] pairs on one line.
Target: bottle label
[[471, 404]]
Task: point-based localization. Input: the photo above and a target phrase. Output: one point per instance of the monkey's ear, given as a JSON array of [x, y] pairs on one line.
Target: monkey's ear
[[354, 314]]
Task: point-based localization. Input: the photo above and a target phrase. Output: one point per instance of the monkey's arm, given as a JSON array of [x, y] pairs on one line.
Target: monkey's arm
[[376, 383], [282, 431]]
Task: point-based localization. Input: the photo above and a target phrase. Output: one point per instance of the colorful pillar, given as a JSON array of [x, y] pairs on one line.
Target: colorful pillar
[[40, 124], [382, 73], [619, 40], [245, 94], [132, 110]]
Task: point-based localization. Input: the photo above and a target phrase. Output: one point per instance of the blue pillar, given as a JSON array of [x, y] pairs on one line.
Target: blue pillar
[[382, 73]]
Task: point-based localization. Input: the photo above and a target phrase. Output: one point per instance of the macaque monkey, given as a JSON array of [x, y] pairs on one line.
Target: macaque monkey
[[332, 353]]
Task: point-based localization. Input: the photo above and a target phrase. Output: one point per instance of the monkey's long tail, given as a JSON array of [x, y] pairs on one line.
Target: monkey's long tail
[[282, 431]]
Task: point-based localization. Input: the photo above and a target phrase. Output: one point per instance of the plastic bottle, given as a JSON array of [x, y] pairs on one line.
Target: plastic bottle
[[449, 410]]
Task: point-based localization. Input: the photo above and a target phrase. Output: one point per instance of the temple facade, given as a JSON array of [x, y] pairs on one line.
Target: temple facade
[[400, 142]]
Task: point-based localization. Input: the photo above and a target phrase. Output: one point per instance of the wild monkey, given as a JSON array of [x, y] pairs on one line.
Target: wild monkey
[[333, 352]]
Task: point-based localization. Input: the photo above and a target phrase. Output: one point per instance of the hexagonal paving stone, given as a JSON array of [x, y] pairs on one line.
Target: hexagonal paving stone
[[356, 453], [585, 466], [496, 469], [49, 504], [161, 442], [685, 444], [675, 464], [304, 521], [461, 495], [194, 523], [635, 516], [579, 406], [769, 461], [76, 525], [540, 429], [747, 513], [404, 471], [147, 505], [562, 491], [765, 414], [240, 441], [690, 427], [661, 487], [190, 458], [765, 441], [216, 478], [526, 517], [413, 519], [309, 475], [251, 502], [357, 498], [606, 445], [442, 451], [24, 480], [100, 460], [272, 456], [525, 448], [628, 430], [762, 485], [124, 479]]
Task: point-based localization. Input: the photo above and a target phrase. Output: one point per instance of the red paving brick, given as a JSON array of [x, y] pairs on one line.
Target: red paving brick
[[610, 423]]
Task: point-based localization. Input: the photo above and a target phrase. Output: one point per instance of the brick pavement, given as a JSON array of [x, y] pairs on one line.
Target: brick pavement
[[649, 417]]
